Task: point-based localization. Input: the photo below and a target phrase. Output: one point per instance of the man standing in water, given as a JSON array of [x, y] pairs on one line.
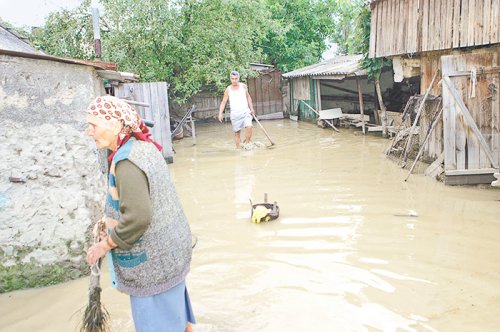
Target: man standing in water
[[241, 107]]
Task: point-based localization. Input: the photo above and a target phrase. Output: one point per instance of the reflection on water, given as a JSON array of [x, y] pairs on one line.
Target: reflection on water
[[355, 248]]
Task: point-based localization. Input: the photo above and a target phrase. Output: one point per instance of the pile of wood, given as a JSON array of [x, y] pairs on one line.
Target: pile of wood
[[404, 145]]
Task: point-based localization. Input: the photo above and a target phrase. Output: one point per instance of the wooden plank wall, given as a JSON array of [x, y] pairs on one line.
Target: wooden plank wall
[[265, 91], [156, 95], [410, 26]]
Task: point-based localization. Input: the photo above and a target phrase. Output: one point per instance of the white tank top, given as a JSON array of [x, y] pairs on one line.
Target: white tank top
[[238, 102]]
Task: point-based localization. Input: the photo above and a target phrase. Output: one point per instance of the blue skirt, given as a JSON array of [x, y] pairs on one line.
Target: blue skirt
[[169, 311]]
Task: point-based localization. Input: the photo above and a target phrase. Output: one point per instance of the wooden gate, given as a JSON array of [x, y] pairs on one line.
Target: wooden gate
[[154, 99], [471, 117], [265, 91]]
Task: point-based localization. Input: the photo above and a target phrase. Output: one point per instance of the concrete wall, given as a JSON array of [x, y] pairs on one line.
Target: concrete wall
[[45, 219]]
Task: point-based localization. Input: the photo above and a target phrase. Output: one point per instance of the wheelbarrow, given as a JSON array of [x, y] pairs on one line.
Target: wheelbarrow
[[264, 211]]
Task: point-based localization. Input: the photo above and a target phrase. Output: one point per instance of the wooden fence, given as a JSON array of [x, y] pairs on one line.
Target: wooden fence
[[154, 94]]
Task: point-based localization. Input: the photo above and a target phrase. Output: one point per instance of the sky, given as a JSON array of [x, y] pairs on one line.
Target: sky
[[32, 12]]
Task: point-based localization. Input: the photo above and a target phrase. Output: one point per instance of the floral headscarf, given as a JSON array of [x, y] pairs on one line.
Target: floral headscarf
[[110, 109]]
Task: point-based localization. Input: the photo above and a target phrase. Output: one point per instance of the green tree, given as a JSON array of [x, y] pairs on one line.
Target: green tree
[[303, 26], [188, 43], [348, 21], [67, 33]]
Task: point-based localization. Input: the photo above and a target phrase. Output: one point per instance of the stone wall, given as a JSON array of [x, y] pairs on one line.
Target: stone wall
[[51, 184]]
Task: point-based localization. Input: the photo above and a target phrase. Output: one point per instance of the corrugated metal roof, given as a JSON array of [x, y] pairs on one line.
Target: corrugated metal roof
[[11, 41], [343, 66]]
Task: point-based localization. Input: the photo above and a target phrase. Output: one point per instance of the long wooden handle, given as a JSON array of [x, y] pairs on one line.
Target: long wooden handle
[[261, 127]]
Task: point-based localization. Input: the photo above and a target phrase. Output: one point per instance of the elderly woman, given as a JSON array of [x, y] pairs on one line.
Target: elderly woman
[[149, 237]]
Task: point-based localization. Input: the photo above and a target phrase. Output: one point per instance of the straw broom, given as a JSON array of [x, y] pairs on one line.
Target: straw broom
[[96, 317]]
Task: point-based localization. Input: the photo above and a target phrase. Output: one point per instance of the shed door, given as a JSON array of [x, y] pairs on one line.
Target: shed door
[[471, 115]]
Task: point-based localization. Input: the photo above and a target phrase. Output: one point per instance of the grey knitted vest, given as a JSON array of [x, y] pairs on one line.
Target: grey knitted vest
[[160, 259]]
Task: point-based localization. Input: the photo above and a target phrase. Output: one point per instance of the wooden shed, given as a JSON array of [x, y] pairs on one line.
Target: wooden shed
[[334, 83], [458, 41]]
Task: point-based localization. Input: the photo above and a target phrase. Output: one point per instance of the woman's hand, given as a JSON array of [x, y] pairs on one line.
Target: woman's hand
[[97, 251], [110, 224]]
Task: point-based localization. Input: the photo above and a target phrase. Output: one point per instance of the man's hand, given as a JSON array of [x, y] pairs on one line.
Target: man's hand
[[220, 117]]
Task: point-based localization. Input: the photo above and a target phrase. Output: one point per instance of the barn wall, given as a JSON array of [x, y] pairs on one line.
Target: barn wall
[[411, 26]]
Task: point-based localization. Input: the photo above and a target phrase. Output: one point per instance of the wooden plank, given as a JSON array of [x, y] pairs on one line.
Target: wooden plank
[[317, 113], [495, 110], [435, 168], [469, 119], [379, 29], [434, 10], [444, 24], [478, 33], [472, 23], [468, 179], [495, 21], [449, 120], [394, 24], [400, 29], [404, 41], [425, 26], [438, 25], [361, 110], [464, 23], [449, 24], [456, 24], [373, 32], [413, 26], [471, 171], [329, 114], [318, 95], [383, 50], [486, 22]]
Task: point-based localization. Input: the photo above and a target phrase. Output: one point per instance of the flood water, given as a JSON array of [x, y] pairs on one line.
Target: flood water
[[355, 247]]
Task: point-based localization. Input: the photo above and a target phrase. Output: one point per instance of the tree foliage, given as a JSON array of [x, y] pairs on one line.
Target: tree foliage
[[192, 44], [67, 33], [348, 21], [303, 28]]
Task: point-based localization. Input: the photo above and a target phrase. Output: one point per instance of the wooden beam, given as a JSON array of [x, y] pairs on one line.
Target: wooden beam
[[360, 94], [453, 172], [480, 71], [347, 90], [469, 119]]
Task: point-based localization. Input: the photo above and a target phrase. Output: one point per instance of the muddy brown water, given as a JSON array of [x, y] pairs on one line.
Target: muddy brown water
[[355, 247]]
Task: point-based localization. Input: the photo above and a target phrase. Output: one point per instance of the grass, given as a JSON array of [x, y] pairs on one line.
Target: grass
[[30, 275]]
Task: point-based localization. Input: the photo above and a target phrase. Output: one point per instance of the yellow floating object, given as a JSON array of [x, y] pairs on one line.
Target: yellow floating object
[[260, 213]]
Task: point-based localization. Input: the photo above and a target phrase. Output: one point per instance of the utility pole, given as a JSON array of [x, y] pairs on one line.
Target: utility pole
[[97, 30]]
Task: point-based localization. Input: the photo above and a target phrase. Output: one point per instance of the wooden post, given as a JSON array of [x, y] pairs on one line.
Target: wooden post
[[360, 94], [193, 130], [382, 107], [318, 95]]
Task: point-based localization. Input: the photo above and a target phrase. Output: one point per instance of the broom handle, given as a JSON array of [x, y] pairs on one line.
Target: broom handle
[[261, 127]]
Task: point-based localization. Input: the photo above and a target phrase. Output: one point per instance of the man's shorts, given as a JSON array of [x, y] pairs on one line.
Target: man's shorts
[[240, 121]]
